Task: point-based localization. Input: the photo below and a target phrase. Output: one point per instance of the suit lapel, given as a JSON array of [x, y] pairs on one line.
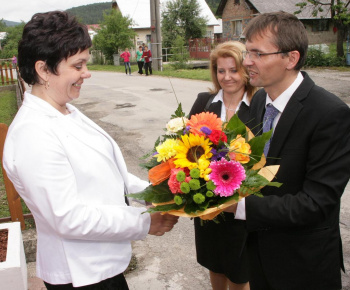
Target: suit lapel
[[243, 113], [117, 154], [75, 131], [256, 113], [288, 117], [283, 128], [215, 108]]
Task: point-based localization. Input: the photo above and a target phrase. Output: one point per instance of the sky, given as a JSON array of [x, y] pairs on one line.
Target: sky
[[23, 10]]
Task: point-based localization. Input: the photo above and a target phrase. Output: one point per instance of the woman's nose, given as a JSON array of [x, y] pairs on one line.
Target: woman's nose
[[227, 75], [86, 74]]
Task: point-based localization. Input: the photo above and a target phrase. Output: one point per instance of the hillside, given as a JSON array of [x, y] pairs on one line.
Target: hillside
[[90, 14], [213, 4], [10, 23]]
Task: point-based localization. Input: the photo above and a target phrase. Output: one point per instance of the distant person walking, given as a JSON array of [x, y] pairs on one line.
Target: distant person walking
[[140, 60], [147, 56], [126, 56], [14, 61]]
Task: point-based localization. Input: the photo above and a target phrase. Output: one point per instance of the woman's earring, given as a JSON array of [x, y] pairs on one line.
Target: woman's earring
[[47, 85]]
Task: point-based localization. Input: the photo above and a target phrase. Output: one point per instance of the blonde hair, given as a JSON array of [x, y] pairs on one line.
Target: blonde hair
[[230, 49]]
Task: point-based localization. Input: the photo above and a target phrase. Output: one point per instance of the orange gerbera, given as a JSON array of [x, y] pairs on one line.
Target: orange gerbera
[[207, 120]]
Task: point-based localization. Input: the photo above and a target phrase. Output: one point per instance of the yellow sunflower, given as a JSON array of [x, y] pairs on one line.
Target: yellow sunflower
[[192, 150]]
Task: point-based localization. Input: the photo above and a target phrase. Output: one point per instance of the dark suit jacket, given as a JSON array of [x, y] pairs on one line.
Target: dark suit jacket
[[295, 228], [203, 98]]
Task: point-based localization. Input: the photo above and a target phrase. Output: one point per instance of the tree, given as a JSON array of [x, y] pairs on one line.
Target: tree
[[2, 25], [213, 5], [115, 34], [180, 54], [182, 17], [10, 43], [340, 15]]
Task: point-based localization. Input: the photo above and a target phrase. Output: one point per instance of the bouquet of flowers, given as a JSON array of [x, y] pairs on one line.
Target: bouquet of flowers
[[202, 165]]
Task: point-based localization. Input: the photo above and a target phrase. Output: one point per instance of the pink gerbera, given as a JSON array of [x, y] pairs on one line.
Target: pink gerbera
[[227, 176]]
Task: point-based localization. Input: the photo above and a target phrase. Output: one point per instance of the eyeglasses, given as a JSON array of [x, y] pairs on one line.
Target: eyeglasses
[[255, 55]]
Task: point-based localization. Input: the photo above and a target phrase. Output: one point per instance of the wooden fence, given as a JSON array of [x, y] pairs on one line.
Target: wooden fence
[[200, 48], [14, 201], [6, 73]]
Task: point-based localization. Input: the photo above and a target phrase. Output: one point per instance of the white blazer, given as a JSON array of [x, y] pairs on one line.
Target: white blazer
[[75, 192]]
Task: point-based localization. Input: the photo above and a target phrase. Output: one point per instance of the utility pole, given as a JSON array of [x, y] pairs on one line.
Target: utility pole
[[156, 39]]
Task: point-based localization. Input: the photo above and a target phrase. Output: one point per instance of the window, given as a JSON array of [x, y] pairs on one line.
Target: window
[[320, 25], [237, 27]]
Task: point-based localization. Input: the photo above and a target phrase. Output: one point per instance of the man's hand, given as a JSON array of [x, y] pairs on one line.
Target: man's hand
[[161, 223]]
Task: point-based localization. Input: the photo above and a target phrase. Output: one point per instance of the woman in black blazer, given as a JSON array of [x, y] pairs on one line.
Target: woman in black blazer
[[220, 247]]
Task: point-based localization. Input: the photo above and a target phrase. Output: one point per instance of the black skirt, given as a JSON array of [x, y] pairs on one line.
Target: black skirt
[[221, 247], [117, 282]]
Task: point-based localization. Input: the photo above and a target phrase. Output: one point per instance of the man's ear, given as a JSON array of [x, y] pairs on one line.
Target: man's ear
[[294, 57], [42, 71]]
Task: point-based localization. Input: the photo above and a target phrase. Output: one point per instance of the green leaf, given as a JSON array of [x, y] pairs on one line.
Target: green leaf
[[257, 145], [154, 193], [275, 184], [179, 112], [164, 208], [258, 194], [229, 198], [192, 207], [150, 164], [235, 126], [254, 181]]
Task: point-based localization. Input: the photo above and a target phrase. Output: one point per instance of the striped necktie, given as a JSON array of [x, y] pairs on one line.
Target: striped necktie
[[270, 114]]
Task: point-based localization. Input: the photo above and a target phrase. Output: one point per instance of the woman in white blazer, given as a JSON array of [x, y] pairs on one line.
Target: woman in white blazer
[[68, 170]]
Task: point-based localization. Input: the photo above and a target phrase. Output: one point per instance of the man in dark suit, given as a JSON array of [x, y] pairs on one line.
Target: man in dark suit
[[294, 237]]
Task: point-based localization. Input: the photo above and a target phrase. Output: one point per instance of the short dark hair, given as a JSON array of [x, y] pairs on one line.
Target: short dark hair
[[50, 37], [289, 33]]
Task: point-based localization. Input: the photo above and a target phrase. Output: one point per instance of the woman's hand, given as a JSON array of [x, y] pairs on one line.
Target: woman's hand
[[161, 223]]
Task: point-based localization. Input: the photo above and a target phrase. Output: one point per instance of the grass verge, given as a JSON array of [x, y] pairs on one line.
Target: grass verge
[[168, 71]]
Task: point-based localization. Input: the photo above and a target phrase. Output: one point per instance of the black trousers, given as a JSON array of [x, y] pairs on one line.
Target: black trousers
[[148, 66], [115, 283], [140, 65]]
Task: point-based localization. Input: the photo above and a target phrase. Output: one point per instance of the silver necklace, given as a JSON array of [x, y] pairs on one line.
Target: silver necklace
[[228, 108]]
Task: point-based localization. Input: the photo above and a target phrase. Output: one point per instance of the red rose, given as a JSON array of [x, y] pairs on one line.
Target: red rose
[[216, 136]]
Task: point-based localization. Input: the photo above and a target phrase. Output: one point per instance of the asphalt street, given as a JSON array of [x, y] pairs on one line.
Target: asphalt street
[[133, 110]]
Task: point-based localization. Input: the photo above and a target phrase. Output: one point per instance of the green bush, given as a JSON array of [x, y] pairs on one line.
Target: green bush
[[97, 57], [181, 55], [315, 57]]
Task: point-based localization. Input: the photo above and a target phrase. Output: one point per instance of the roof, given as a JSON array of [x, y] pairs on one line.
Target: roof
[[264, 6], [139, 11], [93, 27]]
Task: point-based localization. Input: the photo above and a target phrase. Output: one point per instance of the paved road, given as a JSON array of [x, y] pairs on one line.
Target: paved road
[[134, 109]]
